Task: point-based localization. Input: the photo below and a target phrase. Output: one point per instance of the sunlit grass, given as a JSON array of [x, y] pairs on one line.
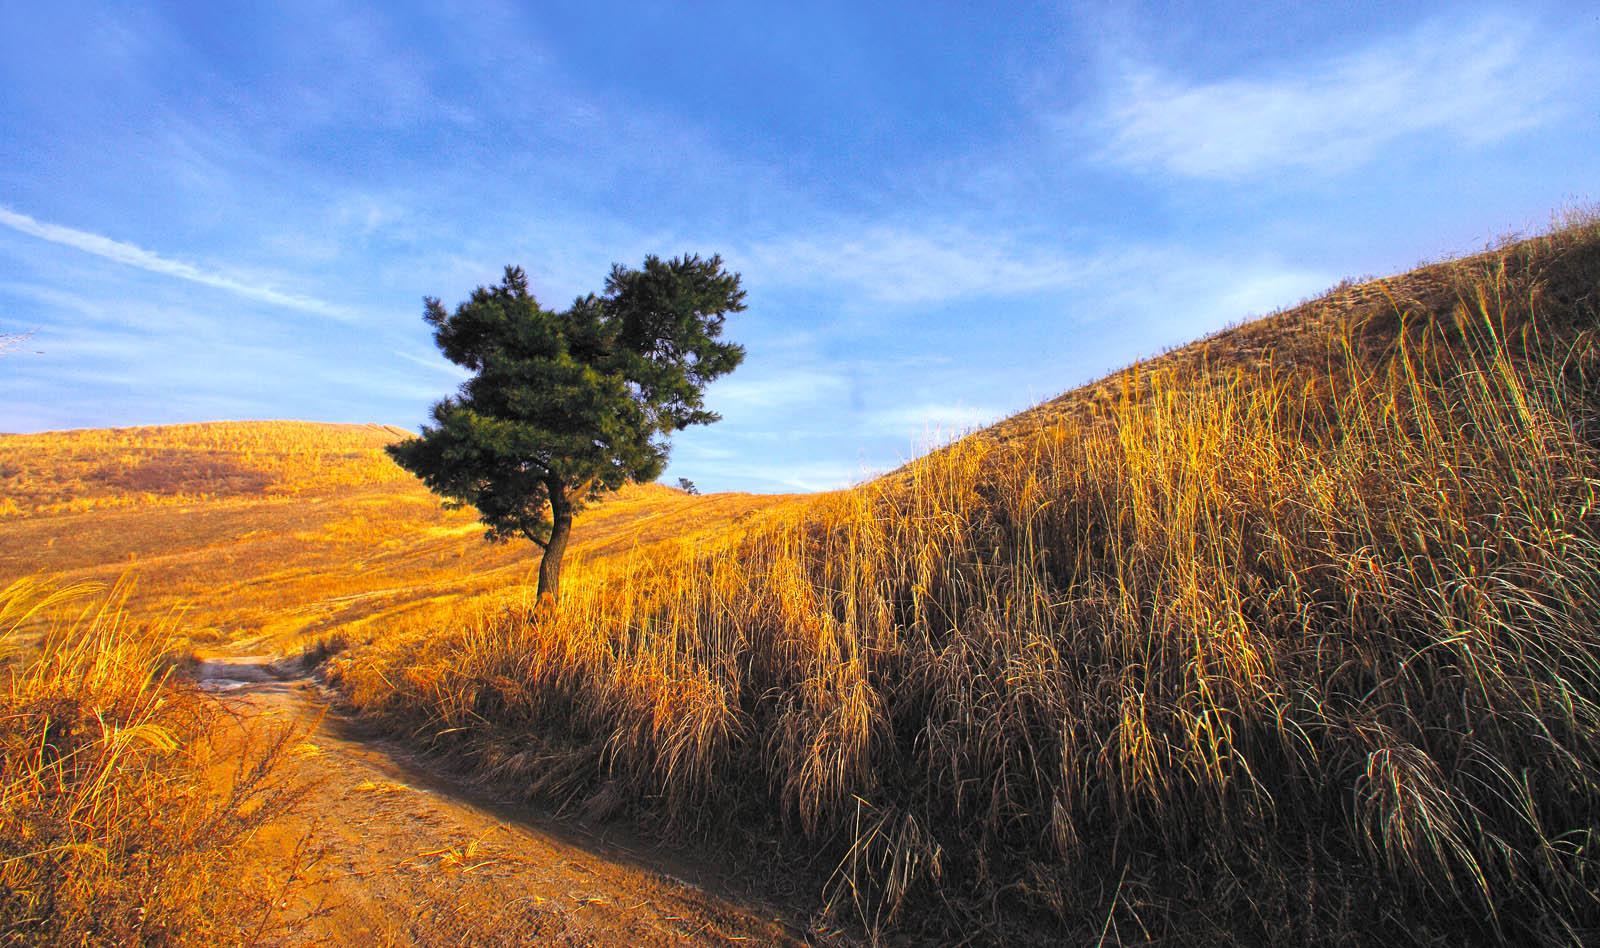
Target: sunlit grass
[[121, 817], [75, 471], [274, 532], [1297, 648]]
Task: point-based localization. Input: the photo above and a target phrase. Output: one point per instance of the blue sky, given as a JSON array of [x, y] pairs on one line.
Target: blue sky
[[943, 214]]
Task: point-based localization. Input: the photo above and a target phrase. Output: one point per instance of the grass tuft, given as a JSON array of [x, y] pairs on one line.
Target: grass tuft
[[121, 821]]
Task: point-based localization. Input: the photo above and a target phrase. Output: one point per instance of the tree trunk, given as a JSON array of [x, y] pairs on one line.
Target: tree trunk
[[560, 530]]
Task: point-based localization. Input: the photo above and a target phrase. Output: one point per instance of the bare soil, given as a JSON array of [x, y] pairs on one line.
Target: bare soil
[[402, 853]]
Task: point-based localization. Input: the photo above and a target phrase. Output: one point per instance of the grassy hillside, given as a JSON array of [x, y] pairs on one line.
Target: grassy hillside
[[60, 472], [1287, 637], [127, 804], [277, 531]]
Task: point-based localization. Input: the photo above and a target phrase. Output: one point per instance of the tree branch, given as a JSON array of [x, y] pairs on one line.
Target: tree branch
[[541, 544]]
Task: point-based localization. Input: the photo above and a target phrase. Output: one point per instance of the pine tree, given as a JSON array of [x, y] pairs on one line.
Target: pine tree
[[564, 406]]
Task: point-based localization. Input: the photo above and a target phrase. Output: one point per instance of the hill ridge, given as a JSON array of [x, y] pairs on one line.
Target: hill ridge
[[1368, 310]]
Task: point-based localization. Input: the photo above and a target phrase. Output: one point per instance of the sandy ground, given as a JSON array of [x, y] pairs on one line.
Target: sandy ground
[[406, 855]]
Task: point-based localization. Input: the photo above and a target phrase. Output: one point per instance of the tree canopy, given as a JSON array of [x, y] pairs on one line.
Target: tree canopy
[[563, 406]]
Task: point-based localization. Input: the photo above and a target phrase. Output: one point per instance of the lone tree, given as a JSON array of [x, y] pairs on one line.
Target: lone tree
[[565, 406]]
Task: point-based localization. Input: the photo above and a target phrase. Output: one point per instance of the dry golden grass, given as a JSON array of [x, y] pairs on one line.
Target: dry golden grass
[[1287, 636], [120, 820], [280, 531], [123, 794], [1264, 645], [72, 471]]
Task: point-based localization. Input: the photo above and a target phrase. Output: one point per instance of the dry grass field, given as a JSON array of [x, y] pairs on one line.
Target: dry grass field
[[273, 532], [127, 797], [1287, 637]]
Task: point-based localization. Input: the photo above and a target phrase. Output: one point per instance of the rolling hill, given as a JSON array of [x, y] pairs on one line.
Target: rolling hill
[[1287, 636], [271, 532], [138, 807]]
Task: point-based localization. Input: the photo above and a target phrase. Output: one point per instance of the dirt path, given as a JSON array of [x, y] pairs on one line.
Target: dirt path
[[408, 856]]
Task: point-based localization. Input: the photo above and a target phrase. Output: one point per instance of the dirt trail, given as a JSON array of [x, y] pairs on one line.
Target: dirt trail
[[408, 856]]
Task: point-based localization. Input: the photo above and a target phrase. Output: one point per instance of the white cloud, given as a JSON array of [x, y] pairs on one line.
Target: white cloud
[[1186, 297], [931, 423], [142, 259], [904, 266], [783, 388], [1475, 82], [437, 364], [798, 477], [126, 312]]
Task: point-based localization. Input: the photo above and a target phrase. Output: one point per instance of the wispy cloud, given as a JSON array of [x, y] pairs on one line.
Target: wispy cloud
[[437, 364], [778, 389], [905, 266], [1473, 82], [788, 475], [142, 259], [933, 423]]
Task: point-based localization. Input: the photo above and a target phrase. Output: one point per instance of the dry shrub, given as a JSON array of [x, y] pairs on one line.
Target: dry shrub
[[1243, 654], [120, 820]]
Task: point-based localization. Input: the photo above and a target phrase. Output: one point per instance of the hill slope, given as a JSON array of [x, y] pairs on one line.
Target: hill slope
[[277, 531], [1558, 274], [1286, 637]]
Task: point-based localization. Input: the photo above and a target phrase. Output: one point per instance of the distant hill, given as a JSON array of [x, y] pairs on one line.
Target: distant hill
[[73, 471], [276, 530]]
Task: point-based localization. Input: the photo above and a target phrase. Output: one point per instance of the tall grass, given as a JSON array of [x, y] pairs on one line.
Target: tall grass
[[120, 819], [1246, 654]]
